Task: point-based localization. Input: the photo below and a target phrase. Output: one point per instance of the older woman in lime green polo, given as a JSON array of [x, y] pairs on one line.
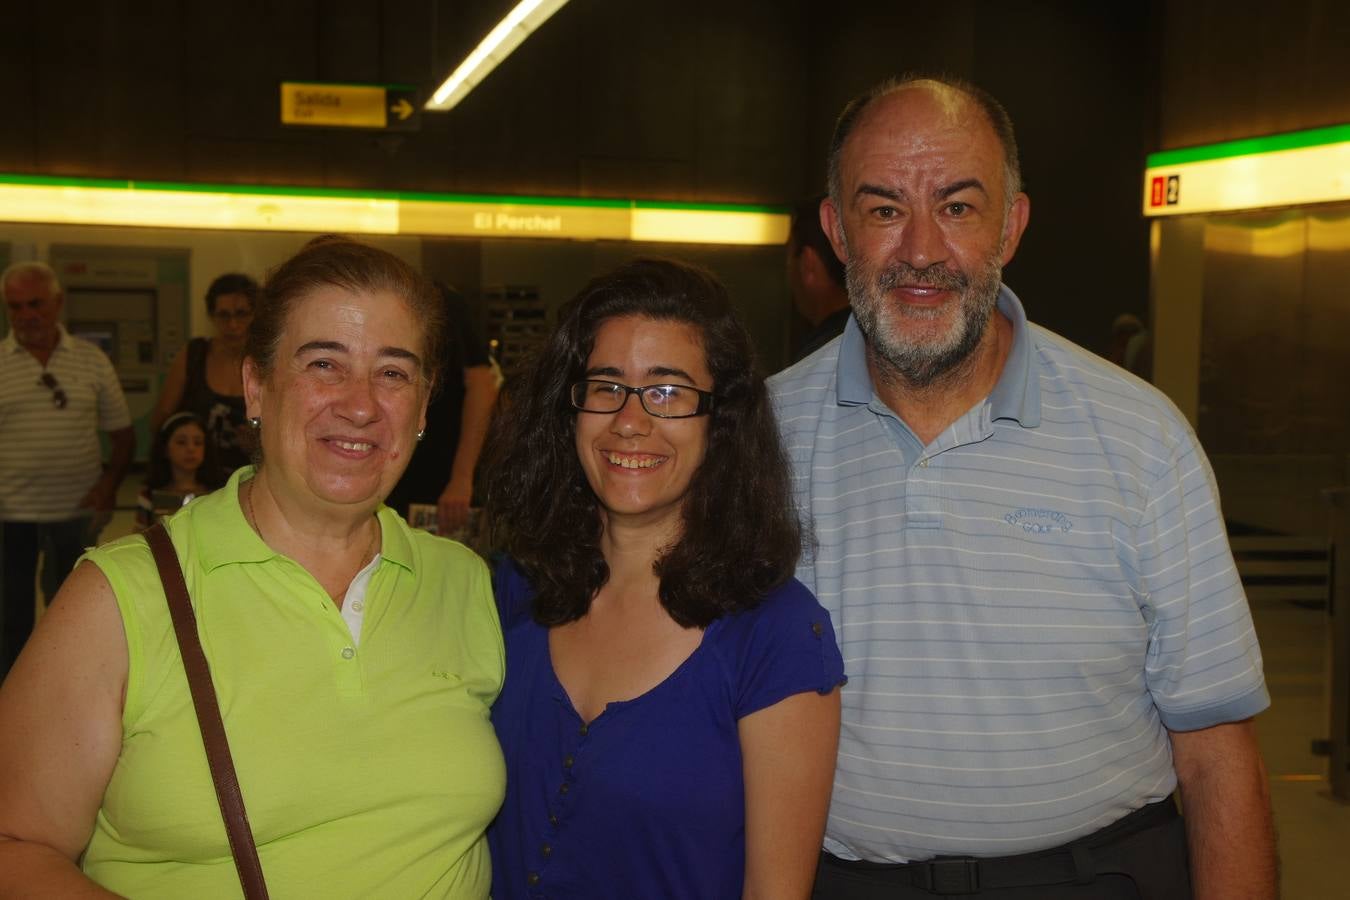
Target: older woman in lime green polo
[[354, 659]]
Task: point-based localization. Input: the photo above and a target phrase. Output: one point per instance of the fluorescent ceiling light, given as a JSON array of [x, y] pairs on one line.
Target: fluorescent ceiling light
[[169, 206], [1294, 169], [493, 50], [88, 201], [696, 226]]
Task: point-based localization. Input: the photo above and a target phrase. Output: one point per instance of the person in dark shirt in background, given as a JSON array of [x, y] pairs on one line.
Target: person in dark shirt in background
[[441, 471], [206, 377], [815, 278]]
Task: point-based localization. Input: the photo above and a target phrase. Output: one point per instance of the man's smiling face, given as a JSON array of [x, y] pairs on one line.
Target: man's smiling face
[[925, 224]]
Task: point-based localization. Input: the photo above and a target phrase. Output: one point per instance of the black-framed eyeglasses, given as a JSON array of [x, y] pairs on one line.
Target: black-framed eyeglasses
[[665, 401], [48, 380]]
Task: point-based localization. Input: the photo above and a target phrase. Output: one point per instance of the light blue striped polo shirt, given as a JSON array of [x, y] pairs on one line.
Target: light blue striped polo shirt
[[1025, 606]]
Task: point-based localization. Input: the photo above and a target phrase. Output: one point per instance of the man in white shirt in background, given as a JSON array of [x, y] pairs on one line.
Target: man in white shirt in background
[[57, 392]]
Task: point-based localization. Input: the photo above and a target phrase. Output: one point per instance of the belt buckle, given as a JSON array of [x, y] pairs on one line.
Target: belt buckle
[[949, 876]]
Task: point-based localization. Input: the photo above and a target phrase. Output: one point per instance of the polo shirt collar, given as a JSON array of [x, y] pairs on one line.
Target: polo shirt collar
[[224, 536], [394, 543], [852, 379], [1016, 395]]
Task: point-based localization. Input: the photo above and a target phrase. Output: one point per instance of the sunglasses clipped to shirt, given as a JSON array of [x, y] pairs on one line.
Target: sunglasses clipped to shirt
[[665, 401], [48, 380]]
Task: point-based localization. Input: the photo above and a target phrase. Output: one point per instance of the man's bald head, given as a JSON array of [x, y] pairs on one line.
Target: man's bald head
[[951, 92]]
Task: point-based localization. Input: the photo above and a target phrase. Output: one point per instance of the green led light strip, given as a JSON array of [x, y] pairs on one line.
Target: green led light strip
[[349, 194], [1294, 140]]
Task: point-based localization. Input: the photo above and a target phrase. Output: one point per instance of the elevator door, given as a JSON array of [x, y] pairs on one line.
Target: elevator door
[[1275, 346]]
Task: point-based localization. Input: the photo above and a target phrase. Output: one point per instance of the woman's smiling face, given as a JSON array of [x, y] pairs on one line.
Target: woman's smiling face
[[346, 397], [639, 465]]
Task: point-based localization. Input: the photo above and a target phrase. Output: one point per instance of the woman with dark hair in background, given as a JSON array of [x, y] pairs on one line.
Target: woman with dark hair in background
[[671, 710], [205, 377], [354, 658]]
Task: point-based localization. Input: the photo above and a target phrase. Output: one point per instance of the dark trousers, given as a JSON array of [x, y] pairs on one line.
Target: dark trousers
[[1141, 857], [61, 544]]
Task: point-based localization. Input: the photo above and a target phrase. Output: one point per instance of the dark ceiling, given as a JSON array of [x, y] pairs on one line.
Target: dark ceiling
[[692, 100]]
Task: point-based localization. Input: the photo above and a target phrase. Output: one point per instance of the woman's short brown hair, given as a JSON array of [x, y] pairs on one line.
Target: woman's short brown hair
[[340, 262]]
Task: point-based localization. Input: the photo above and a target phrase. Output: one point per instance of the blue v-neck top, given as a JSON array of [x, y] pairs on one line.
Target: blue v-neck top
[[647, 800]]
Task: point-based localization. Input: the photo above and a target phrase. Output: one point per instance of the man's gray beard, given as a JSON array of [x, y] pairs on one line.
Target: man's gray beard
[[918, 363]]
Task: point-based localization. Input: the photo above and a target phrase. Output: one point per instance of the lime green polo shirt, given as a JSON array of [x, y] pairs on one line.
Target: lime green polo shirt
[[367, 771]]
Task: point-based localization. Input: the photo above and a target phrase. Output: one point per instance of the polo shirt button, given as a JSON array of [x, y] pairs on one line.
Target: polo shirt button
[[553, 820], [816, 629], [546, 849], [532, 878], [357, 606], [348, 652], [584, 729], [923, 463], [565, 788], [567, 762]]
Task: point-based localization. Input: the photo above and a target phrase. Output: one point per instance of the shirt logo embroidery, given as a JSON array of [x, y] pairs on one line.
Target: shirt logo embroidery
[[1039, 521]]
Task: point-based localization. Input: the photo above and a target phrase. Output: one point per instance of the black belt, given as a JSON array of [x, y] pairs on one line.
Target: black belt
[[1075, 861]]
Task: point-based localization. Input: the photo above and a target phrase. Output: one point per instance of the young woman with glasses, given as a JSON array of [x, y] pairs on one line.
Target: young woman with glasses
[[671, 705]]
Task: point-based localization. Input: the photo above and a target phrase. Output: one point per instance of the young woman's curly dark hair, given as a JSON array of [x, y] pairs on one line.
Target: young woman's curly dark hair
[[741, 535]]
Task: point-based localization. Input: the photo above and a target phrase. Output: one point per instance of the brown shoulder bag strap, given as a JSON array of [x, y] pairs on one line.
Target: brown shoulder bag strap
[[208, 715]]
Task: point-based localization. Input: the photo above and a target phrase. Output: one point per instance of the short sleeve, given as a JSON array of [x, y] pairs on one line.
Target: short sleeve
[[1204, 664], [113, 413], [784, 646]]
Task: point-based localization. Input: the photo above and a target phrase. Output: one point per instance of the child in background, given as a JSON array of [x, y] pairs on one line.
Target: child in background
[[182, 466]]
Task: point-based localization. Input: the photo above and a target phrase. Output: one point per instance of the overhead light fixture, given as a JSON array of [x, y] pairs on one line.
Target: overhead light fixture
[[492, 51], [690, 223], [1292, 169], [92, 201], [217, 207]]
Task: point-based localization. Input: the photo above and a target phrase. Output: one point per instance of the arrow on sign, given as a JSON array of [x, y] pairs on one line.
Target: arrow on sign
[[403, 109]]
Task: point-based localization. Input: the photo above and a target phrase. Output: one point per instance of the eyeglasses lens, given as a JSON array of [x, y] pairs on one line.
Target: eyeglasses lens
[[666, 401]]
